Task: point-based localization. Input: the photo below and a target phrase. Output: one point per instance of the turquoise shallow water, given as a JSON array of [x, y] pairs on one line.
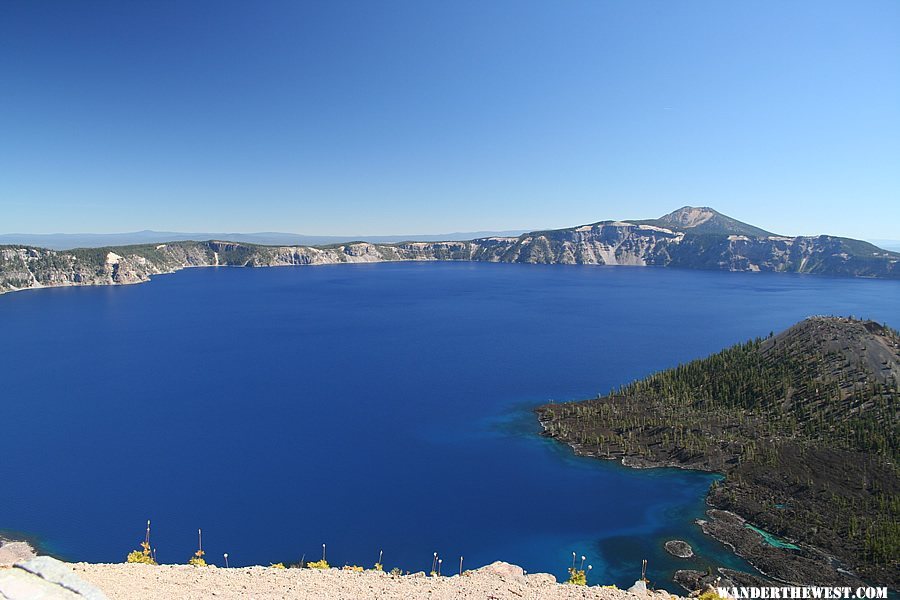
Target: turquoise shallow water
[[367, 407], [773, 540]]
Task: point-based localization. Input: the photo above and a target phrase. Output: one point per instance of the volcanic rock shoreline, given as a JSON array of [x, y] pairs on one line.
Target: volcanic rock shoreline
[[775, 566]]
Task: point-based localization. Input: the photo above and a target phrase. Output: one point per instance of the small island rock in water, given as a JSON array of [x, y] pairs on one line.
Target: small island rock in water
[[679, 548]]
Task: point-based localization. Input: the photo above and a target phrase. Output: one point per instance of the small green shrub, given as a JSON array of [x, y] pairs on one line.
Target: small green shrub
[[276, 566], [144, 555], [378, 565], [140, 556], [577, 576], [197, 559], [319, 564]]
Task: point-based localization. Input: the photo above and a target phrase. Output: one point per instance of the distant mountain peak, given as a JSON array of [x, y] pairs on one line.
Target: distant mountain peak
[[703, 220], [690, 216]]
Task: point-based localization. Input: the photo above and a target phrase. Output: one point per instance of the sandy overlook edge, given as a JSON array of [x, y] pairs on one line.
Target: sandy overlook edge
[[499, 581], [88, 581], [126, 581]]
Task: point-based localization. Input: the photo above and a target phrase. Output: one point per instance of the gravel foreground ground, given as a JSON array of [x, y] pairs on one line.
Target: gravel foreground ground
[[500, 581]]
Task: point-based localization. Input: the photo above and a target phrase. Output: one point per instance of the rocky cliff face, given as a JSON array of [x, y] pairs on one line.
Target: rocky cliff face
[[612, 243], [606, 243], [622, 243], [24, 268]]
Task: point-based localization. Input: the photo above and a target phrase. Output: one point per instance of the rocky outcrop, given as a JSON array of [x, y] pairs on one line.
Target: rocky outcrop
[[800, 566], [679, 548], [12, 552], [45, 578]]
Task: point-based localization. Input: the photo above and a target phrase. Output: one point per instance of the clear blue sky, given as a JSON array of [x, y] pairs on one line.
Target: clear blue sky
[[358, 117]]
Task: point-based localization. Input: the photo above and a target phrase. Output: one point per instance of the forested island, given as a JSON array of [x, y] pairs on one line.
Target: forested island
[[690, 237], [803, 425]]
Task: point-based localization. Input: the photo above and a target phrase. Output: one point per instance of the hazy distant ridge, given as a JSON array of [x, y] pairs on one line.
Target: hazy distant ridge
[[66, 241]]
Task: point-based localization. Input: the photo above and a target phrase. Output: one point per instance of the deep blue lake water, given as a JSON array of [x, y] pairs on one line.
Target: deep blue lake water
[[367, 407]]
